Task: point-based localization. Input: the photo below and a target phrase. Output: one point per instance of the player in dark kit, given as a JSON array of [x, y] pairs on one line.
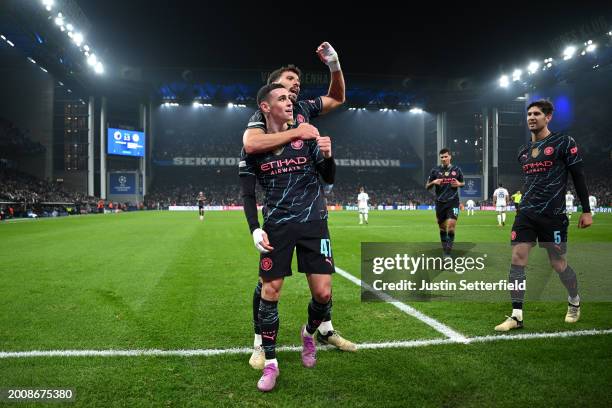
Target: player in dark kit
[[447, 178], [200, 200], [295, 217], [546, 160], [256, 140]]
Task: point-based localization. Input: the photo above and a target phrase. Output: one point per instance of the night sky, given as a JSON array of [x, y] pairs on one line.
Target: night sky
[[436, 41]]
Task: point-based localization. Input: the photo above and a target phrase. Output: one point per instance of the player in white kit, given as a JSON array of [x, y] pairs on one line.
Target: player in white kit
[[469, 206], [569, 204], [501, 196], [593, 204], [362, 205]]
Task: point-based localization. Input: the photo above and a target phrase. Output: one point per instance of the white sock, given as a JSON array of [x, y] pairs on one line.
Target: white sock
[[574, 300], [325, 327], [503, 217], [305, 332], [499, 219], [360, 218], [366, 217], [518, 313], [273, 361], [257, 340]]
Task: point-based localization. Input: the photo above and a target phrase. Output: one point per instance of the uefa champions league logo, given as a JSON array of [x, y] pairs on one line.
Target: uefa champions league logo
[[470, 187], [122, 181], [117, 136]]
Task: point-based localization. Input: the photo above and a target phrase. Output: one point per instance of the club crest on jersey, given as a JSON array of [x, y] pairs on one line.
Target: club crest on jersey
[[535, 152], [297, 144], [453, 173], [574, 150], [266, 264], [300, 118], [549, 150]]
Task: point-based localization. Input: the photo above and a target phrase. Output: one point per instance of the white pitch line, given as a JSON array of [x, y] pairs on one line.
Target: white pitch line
[[247, 350], [430, 321]]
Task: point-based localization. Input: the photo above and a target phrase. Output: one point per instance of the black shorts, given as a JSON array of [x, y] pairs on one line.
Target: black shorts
[[201, 207], [549, 231], [314, 253], [448, 210]]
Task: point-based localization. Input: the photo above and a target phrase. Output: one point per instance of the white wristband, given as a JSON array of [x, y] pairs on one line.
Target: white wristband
[[257, 239], [334, 66]]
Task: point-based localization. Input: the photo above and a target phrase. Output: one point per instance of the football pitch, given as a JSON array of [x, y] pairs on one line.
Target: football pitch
[[154, 309]]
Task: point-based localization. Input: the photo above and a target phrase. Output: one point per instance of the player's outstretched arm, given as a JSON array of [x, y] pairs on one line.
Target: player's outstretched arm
[[336, 95], [256, 141]]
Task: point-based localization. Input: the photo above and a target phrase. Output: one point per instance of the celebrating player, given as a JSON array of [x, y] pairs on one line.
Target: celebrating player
[[295, 217], [546, 161], [256, 140], [447, 178]]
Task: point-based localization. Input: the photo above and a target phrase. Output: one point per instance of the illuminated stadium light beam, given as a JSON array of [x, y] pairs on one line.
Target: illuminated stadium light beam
[[48, 4], [31, 60], [532, 68], [569, 52], [590, 46], [516, 75], [69, 27], [99, 68], [78, 39], [86, 47], [42, 69], [504, 81], [416, 110], [92, 60], [59, 20], [230, 105]]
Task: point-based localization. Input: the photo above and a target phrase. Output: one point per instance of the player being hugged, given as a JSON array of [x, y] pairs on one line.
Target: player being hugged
[[257, 139], [546, 162], [295, 217], [447, 178]]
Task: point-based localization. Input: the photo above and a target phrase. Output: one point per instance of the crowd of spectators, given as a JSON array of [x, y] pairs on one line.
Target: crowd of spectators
[[14, 142]]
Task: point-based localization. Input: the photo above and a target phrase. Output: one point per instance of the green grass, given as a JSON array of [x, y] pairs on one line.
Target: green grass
[[167, 281]]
